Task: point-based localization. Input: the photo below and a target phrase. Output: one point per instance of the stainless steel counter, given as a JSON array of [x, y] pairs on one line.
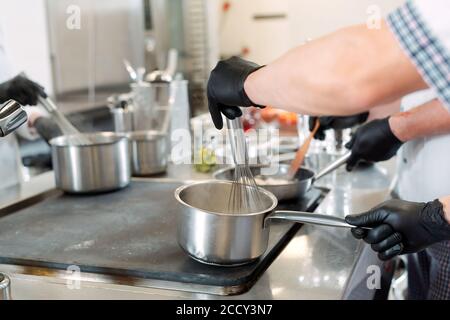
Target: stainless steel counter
[[318, 263]]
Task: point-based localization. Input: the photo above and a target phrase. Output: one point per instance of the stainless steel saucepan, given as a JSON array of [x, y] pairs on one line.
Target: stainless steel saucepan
[[100, 166], [210, 235], [149, 151], [278, 185]]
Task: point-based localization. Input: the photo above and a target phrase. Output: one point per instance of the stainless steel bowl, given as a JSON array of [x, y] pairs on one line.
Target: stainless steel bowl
[[148, 152], [100, 166]]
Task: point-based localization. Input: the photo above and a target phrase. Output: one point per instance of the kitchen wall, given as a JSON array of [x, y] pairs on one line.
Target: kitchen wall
[[24, 28], [264, 29], [39, 42], [91, 54]]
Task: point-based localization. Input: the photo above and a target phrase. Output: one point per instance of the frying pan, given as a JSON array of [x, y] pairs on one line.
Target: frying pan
[[298, 187], [210, 234]]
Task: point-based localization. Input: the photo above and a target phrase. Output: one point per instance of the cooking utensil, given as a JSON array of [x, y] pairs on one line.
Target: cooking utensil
[[301, 153], [148, 152], [12, 116], [103, 165], [244, 195], [131, 71], [289, 189], [212, 235], [168, 74], [66, 127]]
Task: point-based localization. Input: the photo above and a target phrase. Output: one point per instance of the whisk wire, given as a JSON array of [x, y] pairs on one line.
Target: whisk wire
[[245, 196]]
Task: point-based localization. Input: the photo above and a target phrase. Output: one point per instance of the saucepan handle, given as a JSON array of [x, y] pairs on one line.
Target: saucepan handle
[[308, 218]]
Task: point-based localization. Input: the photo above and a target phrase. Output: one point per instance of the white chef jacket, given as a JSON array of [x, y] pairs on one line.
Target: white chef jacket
[[423, 164], [423, 30]]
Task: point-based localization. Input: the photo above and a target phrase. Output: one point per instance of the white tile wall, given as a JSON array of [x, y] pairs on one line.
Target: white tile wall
[[306, 19]]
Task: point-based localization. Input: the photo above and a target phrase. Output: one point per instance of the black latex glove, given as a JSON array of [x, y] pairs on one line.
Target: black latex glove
[[401, 227], [21, 89], [327, 123], [47, 128], [373, 142], [226, 89]]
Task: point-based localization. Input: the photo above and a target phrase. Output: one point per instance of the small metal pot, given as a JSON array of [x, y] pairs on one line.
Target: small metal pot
[[122, 119], [148, 152], [100, 166], [291, 189], [211, 236]]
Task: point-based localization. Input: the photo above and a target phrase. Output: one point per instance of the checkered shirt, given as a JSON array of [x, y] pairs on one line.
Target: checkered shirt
[[423, 47]]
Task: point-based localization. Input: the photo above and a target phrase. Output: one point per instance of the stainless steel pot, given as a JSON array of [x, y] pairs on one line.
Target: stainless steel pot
[[122, 119], [290, 189], [211, 236], [100, 166], [148, 152]]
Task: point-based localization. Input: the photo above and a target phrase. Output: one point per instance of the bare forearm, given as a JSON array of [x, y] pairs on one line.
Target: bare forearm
[[347, 72], [429, 119], [384, 110]]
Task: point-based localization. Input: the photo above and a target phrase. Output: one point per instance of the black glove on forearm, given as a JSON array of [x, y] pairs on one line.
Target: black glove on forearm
[[401, 227], [226, 89], [374, 141], [21, 89], [47, 128], [327, 123]]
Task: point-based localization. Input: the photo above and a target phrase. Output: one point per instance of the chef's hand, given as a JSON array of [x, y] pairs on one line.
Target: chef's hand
[[327, 123], [401, 227], [374, 141], [226, 89], [21, 89], [47, 128]]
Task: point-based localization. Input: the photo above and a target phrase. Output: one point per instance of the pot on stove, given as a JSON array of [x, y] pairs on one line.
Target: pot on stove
[[210, 235]]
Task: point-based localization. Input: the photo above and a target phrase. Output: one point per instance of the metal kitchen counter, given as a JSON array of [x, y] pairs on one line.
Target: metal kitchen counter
[[318, 263]]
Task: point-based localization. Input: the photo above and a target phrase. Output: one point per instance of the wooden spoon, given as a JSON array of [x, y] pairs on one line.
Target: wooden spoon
[[301, 153]]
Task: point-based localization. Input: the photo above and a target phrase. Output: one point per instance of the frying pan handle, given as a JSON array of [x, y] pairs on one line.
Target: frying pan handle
[[308, 218], [333, 166]]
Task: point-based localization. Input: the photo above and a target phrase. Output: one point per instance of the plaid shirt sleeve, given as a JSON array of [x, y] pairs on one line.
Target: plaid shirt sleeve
[[424, 47]]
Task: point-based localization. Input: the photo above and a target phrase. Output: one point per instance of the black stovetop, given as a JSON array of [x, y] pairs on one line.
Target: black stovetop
[[129, 233]]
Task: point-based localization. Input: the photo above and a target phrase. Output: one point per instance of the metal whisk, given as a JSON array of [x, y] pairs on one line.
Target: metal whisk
[[245, 196]]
